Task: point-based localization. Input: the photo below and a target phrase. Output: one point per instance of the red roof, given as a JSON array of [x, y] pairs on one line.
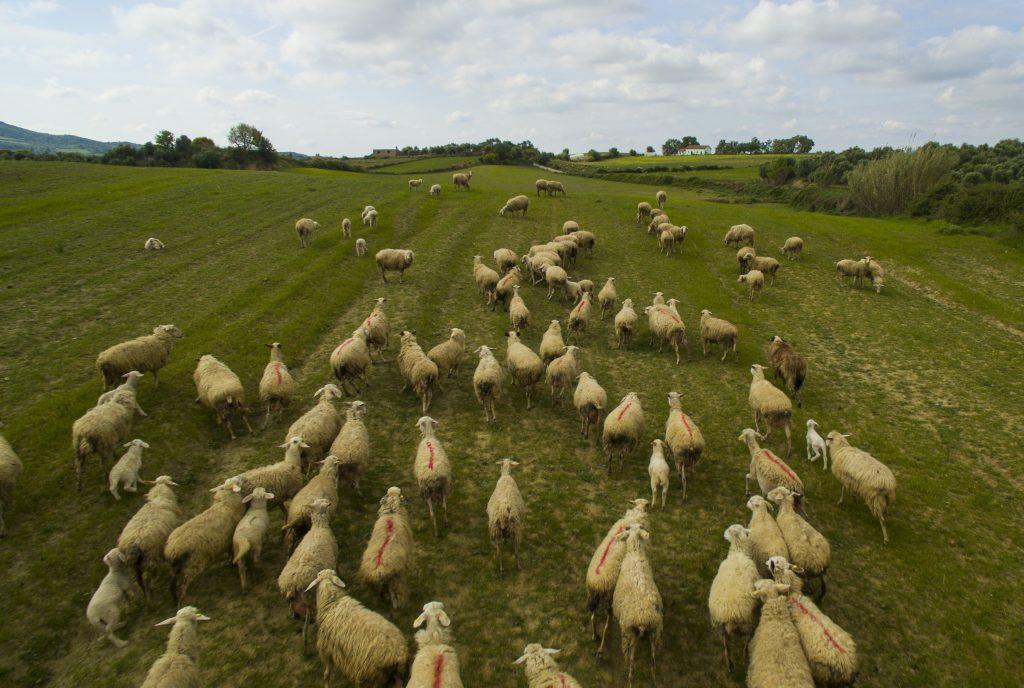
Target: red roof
[[696, 147]]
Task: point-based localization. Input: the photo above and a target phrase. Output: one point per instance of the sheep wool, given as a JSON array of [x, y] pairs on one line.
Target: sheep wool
[[623, 429], [625, 324], [768, 469], [436, 664], [432, 470], [487, 382], [742, 254], [776, 655], [322, 487], [102, 429], [276, 385], [740, 234], [579, 316], [153, 244], [561, 371], [393, 260], [643, 211], [305, 228], [793, 247], [435, 190], [658, 470], [318, 426], [524, 366], [350, 359], [636, 602], [662, 198], [352, 445], [864, 475], [587, 241], [148, 353], [505, 259], [109, 603], [461, 180], [607, 298], [733, 609], [541, 185], [377, 328], [551, 343], [717, 331], [251, 531], [360, 247], [177, 665], [346, 228], [143, 538], [506, 511], [590, 400], [486, 278], [10, 471], [754, 279], [766, 539], [555, 188], [126, 471], [516, 204], [220, 390], [787, 364], [667, 327], [683, 438], [771, 405], [388, 557], [542, 670], [808, 549], [518, 313], [317, 550]]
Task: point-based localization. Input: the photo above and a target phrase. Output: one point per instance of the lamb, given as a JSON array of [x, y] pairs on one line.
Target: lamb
[[556, 278], [667, 240], [776, 657], [436, 664], [755, 280], [101, 429], [590, 400], [370, 218], [771, 405], [561, 372], [579, 317], [573, 291], [555, 188], [350, 359], [197, 543], [505, 259], [518, 313], [366, 647], [542, 671], [742, 256], [683, 438], [177, 665], [506, 511], [767, 265], [10, 470], [154, 244], [461, 180], [643, 211], [346, 228], [435, 190], [322, 487], [516, 204], [305, 228], [658, 470], [864, 475], [485, 277], [587, 286], [662, 198], [126, 471], [415, 183], [131, 383], [793, 247], [857, 269], [432, 470], [360, 247], [276, 385], [787, 364], [220, 390], [247, 540], [808, 548], [143, 538], [541, 185], [607, 297], [283, 478], [740, 234], [146, 354], [715, 330], [733, 609], [387, 560], [317, 427], [377, 328], [625, 325], [524, 366], [395, 260], [636, 602], [766, 468], [487, 382], [317, 550], [816, 446], [505, 287], [448, 355], [766, 538], [109, 603], [666, 326], [623, 429], [551, 344]]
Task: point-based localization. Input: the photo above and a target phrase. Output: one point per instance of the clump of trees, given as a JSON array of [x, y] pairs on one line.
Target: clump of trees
[[249, 148], [799, 144]]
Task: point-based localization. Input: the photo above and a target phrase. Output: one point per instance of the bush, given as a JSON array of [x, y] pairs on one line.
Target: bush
[[981, 203], [778, 172], [207, 159], [889, 185]]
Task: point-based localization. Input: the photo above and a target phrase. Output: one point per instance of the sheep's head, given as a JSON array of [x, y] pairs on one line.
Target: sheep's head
[[276, 346], [811, 423], [757, 502], [432, 610], [765, 589], [133, 375], [657, 444], [628, 303], [295, 443], [750, 436], [171, 330], [836, 438], [136, 443], [555, 326], [507, 465], [634, 533], [877, 283], [426, 425], [330, 463], [537, 657], [513, 337], [328, 576], [630, 398], [319, 505], [357, 409], [161, 480], [757, 371], [571, 350], [186, 614], [483, 351], [640, 504], [673, 399], [409, 255], [458, 335], [114, 557], [778, 566], [258, 495], [736, 534], [327, 392], [232, 485], [381, 300], [391, 501]]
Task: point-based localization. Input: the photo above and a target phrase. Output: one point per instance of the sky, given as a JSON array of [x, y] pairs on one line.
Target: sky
[[340, 77]]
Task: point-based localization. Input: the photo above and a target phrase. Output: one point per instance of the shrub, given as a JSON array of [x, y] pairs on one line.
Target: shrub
[[889, 185]]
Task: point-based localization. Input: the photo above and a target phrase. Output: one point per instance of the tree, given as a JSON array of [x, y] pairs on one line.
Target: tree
[[632, 151], [250, 142], [164, 139], [613, 152], [183, 145], [593, 155], [671, 146], [650, 149], [689, 141]]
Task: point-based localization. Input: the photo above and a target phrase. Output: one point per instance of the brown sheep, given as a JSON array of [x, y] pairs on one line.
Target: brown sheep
[[787, 364]]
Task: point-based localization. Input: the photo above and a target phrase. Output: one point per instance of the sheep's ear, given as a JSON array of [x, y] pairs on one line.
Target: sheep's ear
[[316, 581], [443, 618], [520, 660], [127, 444], [434, 423], [284, 446], [551, 651], [247, 498], [168, 622], [202, 617], [145, 446], [316, 394], [269, 495], [304, 445], [337, 582], [419, 620], [782, 588]]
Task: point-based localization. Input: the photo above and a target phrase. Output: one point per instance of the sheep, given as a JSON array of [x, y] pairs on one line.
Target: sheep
[[506, 511], [370, 218], [505, 287], [570, 226], [623, 429], [505, 259], [816, 446], [485, 277], [625, 324], [423, 377], [754, 279], [518, 313], [566, 247], [350, 359], [388, 557], [146, 354], [877, 283], [377, 328], [643, 211], [857, 269], [586, 241], [487, 382], [607, 297], [776, 656], [740, 234], [276, 385], [771, 405], [415, 183], [143, 538], [715, 330], [395, 260], [366, 647], [807, 548], [767, 265], [573, 291], [683, 438], [766, 538], [657, 220], [436, 664], [131, 383], [874, 268], [101, 429], [658, 470], [126, 471], [541, 185], [448, 355], [551, 343], [864, 475], [305, 228], [662, 198], [542, 671], [636, 603], [250, 532], [590, 399], [109, 603], [197, 543], [742, 256], [555, 277], [435, 190], [283, 478], [409, 352], [516, 204], [367, 209], [346, 228], [667, 240], [787, 364], [177, 665], [733, 609], [767, 469], [524, 366], [461, 180], [321, 487], [10, 471], [360, 247], [555, 188], [561, 372], [316, 551], [432, 470], [579, 317], [831, 652], [793, 247], [666, 326], [219, 389], [154, 244], [318, 426]]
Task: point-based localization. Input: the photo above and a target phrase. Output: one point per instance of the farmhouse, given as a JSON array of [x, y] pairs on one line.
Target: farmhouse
[[695, 150], [386, 152]]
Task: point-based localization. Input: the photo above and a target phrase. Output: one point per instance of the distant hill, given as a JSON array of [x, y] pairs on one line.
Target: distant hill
[[16, 138]]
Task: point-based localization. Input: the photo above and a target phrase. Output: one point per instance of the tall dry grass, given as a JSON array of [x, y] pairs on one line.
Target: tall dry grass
[[888, 186]]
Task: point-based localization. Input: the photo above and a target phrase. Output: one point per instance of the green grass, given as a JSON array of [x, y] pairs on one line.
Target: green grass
[[733, 167], [926, 376], [440, 162]]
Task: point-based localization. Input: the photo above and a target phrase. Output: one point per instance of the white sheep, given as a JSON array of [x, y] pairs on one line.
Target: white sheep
[[126, 471], [370, 218], [435, 190], [625, 324], [816, 447], [766, 468], [487, 382], [351, 447], [524, 366], [683, 438], [143, 538], [542, 671], [346, 228], [658, 470], [771, 405], [590, 400], [740, 234], [506, 511], [395, 260], [360, 247], [793, 247], [388, 557], [154, 244], [518, 313], [607, 297], [561, 372], [753, 279], [436, 664], [551, 343], [714, 330], [733, 609], [177, 665], [247, 540], [766, 538], [516, 204], [109, 603], [317, 427], [662, 198], [623, 429], [432, 470], [10, 471], [636, 603], [305, 228], [865, 475], [316, 551], [415, 183], [277, 385], [776, 656]]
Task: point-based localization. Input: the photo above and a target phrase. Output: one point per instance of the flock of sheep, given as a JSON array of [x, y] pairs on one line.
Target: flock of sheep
[[757, 594]]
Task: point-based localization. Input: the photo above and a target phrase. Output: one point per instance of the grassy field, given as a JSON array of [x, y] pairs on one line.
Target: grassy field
[[439, 162], [926, 376], [733, 167]]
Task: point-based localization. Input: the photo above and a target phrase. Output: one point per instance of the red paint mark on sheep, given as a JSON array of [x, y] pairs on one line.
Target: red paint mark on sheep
[[814, 617], [668, 311], [607, 550], [623, 411], [682, 417], [390, 533], [561, 677], [778, 462], [579, 308], [343, 345], [430, 464], [277, 371], [438, 670]]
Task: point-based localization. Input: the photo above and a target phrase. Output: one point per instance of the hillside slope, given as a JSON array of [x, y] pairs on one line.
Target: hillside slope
[[17, 138]]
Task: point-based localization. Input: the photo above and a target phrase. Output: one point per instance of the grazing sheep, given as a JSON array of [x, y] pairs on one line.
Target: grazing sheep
[[251, 531], [561, 372], [556, 278], [542, 671], [816, 446], [276, 385], [755, 280], [625, 324], [666, 326], [219, 389], [393, 259], [448, 355], [350, 359], [579, 317], [683, 438], [767, 469], [766, 265], [623, 429], [366, 647], [177, 665], [740, 234], [317, 427], [643, 211], [590, 400], [657, 220], [346, 228], [518, 313], [505, 259], [377, 328], [317, 550], [148, 353], [857, 269], [415, 183], [101, 429], [322, 487], [436, 664], [504, 289], [360, 247], [461, 180], [864, 475], [667, 241], [516, 204], [787, 364], [126, 471], [793, 247], [143, 538], [305, 228], [110, 602], [388, 557], [715, 330], [636, 602], [485, 277], [662, 198], [352, 445], [524, 366], [586, 241], [487, 382], [551, 344], [541, 185], [733, 609], [432, 470], [766, 538], [370, 218], [776, 656], [283, 478], [570, 226], [435, 190], [555, 188], [607, 298], [10, 470], [153, 244], [659, 472], [505, 513], [771, 405], [743, 255], [808, 548]]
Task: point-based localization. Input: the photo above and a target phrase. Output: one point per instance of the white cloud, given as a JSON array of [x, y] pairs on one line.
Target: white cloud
[[805, 22], [119, 94], [894, 125], [52, 88], [457, 117], [27, 10]]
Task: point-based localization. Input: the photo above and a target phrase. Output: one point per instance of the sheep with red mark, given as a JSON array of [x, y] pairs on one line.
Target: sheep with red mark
[[432, 470], [388, 557], [776, 655], [770, 405], [579, 317], [683, 438], [436, 664], [623, 429], [636, 602], [733, 609], [349, 361], [542, 671], [276, 385], [316, 551], [766, 468], [808, 549]]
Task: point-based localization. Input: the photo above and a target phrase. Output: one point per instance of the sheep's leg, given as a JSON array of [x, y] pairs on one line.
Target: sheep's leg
[[529, 397], [824, 455], [327, 676], [757, 427], [241, 574], [809, 456], [885, 533], [78, 473], [430, 508], [789, 440], [246, 421], [515, 546], [231, 430], [266, 419], [746, 485], [725, 649], [654, 664], [604, 633], [497, 556], [821, 593], [631, 662], [725, 352], [444, 507], [842, 494], [115, 641]]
